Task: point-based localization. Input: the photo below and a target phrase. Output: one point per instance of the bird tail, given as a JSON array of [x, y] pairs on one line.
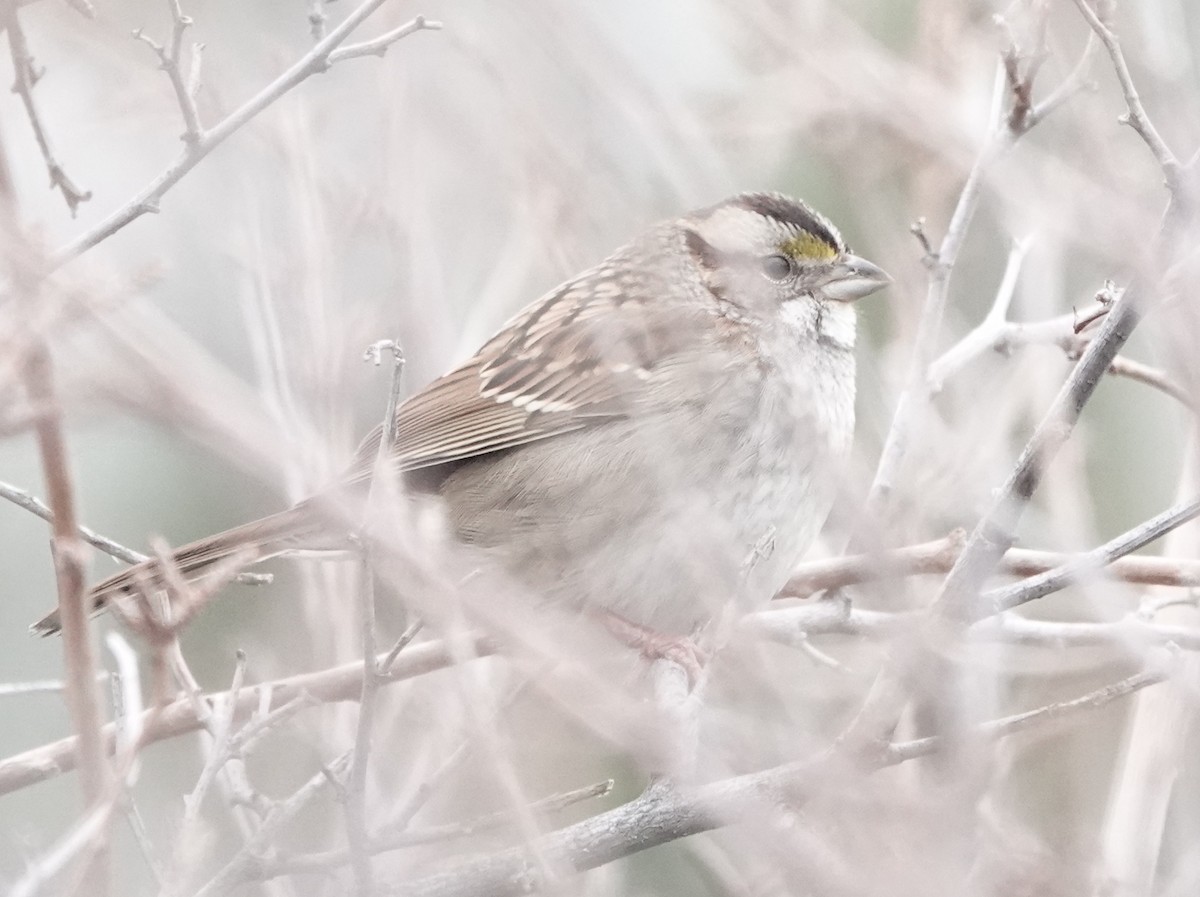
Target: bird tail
[[257, 541]]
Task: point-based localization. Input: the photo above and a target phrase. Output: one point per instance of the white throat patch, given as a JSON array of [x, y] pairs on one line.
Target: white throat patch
[[832, 322]]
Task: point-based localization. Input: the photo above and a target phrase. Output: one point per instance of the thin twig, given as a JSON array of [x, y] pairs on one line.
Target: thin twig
[[984, 335], [406, 637], [1020, 722], [996, 531], [316, 18], [795, 625], [1093, 561], [938, 556], [1003, 336], [219, 752], [1156, 378], [915, 394], [183, 715], [24, 499], [148, 199], [660, 816], [380, 45], [328, 860], [26, 77], [170, 60], [383, 490], [940, 263], [248, 860], [1136, 116], [87, 831], [1132, 631], [403, 815]]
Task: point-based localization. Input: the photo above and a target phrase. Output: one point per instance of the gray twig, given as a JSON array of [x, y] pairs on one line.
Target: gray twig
[[383, 489], [26, 78], [1092, 562], [170, 60], [939, 556], [380, 45], [23, 499], [940, 263], [328, 860], [1136, 116], [246, 862], [149, 198], [660, 815], [185, 714]]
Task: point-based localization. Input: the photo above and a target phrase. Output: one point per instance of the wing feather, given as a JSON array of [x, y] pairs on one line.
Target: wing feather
[[583, 354]]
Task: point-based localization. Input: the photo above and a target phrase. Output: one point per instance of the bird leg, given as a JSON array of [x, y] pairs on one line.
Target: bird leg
[[680, 649]]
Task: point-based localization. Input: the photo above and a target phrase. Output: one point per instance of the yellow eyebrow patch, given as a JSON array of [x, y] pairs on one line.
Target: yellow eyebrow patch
[[808, 246]]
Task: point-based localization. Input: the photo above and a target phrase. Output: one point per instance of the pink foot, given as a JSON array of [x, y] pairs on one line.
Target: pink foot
[[680, 649]]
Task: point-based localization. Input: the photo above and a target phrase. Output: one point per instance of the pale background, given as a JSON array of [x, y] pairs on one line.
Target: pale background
[[428, 194]]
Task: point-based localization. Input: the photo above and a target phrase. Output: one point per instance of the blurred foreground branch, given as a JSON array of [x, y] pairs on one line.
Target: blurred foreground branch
[[663, 813]]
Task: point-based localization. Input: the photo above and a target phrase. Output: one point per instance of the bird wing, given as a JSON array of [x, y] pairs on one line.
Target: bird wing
[[581, 355]]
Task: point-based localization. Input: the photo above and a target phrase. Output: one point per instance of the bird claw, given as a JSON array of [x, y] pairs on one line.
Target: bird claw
[[679, 649]]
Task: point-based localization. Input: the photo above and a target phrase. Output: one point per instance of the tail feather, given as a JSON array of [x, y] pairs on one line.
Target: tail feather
[[288, 530]]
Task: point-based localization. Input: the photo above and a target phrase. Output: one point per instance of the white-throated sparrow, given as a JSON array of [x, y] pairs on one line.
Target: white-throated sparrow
[[653, 438]]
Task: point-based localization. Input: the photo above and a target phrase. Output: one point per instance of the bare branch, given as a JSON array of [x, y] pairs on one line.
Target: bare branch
[[1133, 631], [940, 264], [27, 76], [148, 199], [170, 59], [995, 532], [995, 334], [938, 556], [794, 625], [23, 499], [67, 549], [247, 861], [29, 502], [70, 564], [1136, 117], [340, 683], [1020, 722], [663, 815], [379, 46], [383, 489], [1092, 561], [1155, 378], [328, 860]]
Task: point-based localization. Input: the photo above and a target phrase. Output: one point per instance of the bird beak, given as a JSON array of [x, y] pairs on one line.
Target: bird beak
[[852, 278]]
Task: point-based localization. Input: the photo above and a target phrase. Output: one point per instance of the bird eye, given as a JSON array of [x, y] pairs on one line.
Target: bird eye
[[776, 267]]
